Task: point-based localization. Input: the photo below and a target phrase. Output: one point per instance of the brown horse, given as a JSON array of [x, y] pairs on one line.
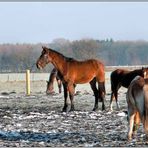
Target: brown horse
[[54, 75], [76, 72], [121, 77], [137, 100]]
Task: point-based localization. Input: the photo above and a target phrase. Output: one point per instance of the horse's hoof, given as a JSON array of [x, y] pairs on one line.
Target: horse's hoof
[[118, 109], [103, 107], [72, 109], [129, 138], [146, 137], [95, 109], [64, 110]]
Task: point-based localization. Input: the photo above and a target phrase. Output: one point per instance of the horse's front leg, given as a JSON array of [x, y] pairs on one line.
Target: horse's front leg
[[65, 97], [71, 90]]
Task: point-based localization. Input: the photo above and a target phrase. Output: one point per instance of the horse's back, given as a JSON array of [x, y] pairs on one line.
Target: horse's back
[[116, 78], [124, 77], [90, 67], [93, 63]]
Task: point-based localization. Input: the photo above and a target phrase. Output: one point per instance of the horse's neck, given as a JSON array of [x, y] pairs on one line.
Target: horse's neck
[[140, 73], [59, 62], [136, 72]]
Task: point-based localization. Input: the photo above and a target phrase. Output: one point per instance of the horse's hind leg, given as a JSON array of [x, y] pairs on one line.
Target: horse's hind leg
[[111, 101], [114, 94], [102, 93], [71, 90], [65, 97], [96, 94], [116, 98], [136, 123], [113, 88], [131, 125]]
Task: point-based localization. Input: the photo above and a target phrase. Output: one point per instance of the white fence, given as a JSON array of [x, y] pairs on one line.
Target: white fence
[[22, 77], [33, 77], [5, 77], [111, 68]]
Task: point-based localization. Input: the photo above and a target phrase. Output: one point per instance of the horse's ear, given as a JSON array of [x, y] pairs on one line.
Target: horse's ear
[[44, 48]]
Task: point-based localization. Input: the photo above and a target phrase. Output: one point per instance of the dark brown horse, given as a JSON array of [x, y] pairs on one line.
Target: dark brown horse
[[54, 75], [121, 77], [76, 72], [137, 100]]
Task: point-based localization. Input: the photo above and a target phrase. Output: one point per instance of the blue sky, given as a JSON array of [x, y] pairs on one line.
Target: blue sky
[[34, 22]]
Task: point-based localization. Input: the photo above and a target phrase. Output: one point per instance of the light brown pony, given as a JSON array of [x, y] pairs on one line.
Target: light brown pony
[[137, 100], [76, 72], [54, 75]]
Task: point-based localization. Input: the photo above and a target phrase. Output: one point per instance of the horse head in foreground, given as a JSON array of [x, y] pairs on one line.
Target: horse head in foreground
[[137, 100], [76, 72], [122, 77]]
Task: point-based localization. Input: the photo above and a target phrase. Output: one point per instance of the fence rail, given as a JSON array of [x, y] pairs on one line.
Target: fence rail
[[5, 77], [128, 67]]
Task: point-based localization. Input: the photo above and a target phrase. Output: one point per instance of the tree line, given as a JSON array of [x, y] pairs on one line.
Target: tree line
[[19, 57]]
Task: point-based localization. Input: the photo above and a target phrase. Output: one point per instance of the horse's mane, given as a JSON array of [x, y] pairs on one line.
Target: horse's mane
[[67, 58], [138, 70]]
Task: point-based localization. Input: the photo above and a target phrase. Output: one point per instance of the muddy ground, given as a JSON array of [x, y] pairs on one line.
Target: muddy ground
[[37, 120]]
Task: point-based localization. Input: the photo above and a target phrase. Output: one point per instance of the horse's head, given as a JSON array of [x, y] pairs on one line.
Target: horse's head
[[44, 58], [145, 72], [49, 89]]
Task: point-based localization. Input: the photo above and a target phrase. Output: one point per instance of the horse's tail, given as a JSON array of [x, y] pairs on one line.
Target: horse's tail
[[129, 95], [132, 97], [111, 81]]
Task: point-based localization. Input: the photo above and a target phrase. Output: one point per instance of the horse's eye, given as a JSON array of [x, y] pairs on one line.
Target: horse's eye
[[45, 55]]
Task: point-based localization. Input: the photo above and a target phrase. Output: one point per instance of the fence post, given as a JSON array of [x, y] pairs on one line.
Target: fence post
[[28, 82]]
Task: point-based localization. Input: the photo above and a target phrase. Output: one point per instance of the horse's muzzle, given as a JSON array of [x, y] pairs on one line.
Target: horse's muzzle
[[49, 92]]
